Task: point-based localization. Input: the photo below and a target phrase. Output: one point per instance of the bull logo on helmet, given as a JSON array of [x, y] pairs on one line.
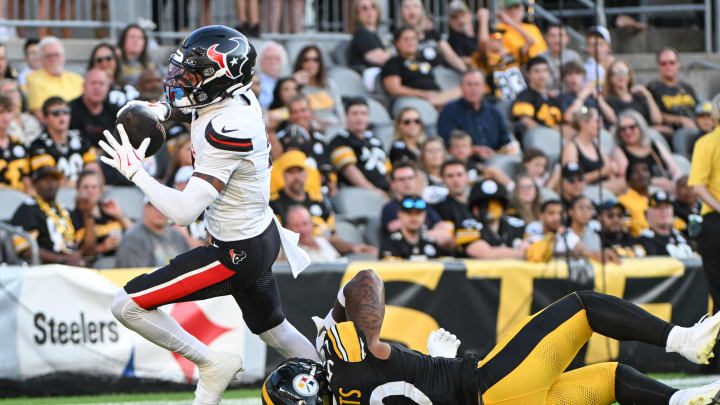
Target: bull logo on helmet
[[232, 67]]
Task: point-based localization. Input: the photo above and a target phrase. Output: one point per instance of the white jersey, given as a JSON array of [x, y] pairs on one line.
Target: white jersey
[[230, 143]]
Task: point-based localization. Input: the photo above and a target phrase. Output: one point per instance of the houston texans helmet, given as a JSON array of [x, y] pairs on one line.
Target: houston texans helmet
[[297, 382], [212, 63]]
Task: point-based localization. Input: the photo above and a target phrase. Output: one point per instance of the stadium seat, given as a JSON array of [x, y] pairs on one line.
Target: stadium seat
[[659, 138], [607, 140], [681, 140], [545, 139], [10, 200], [66, 197], [547, 194], [357, 202], [682, 162], [385, 133], [378, 113], [105, 262], [504, 107], [510, 165], [598, 193], [348, 232], [372, 231], [340, 53], [428, 113], [348, 81], [130, 199], [446, 78]]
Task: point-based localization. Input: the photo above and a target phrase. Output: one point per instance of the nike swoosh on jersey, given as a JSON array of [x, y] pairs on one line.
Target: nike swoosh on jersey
[[225, 130], [224, 142]]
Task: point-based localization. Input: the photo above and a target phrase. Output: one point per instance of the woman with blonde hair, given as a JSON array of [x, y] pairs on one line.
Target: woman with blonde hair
[[409, 134], [633, 143], [622, 94], [432, 156], [368, 51], [431, 46]]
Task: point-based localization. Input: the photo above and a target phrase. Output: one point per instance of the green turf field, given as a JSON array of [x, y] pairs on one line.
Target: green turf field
[[252, 396]]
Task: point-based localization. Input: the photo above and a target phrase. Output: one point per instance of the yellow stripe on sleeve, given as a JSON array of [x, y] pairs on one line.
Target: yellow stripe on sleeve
[[343, 156], [350, 341], [522, 108], [333, 340], [41, 160], [465, 236]]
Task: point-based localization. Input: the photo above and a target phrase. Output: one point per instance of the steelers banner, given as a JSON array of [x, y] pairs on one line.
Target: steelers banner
[[56, 319]]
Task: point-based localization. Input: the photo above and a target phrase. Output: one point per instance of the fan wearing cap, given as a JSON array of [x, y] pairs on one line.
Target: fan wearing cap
[[295, 173], [410, 241], [535, 106], [597, 42], [502, 68], [614, 233], [498, 236], [704, 121], [573, 183], [636, 199], [461, 36], [47, 222], [517, 33], [660, 238], [687, 208]]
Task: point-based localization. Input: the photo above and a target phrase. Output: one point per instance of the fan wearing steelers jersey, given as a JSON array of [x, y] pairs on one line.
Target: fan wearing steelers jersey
[[361, 369]]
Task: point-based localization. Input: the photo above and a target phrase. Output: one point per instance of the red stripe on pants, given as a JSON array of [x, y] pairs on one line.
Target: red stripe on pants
[[183, 287]]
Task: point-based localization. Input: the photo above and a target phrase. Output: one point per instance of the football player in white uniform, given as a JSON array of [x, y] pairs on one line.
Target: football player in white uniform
[[209, 77]]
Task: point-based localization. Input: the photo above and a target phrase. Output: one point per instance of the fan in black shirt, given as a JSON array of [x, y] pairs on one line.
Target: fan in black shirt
[[410, 241], [409, 75], [614, 234], [367, 48], [461, 36], [92, 113]]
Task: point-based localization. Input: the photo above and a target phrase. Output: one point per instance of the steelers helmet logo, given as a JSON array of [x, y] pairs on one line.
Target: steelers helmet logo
[[305, 384], [489, 187], [315, 210], [19, 151]]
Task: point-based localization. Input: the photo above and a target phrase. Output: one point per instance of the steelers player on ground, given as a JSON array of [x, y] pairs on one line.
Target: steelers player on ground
[[526, 367], [210, 76]]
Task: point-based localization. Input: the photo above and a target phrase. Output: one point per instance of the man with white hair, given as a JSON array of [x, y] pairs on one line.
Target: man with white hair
[[52, 79], [272, 60]]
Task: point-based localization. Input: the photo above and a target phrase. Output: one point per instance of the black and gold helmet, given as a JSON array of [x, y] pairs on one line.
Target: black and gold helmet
[[297, 382]]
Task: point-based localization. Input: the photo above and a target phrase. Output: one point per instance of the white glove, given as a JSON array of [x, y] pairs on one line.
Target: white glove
[[161, 108], [126, 159], [442, 343]]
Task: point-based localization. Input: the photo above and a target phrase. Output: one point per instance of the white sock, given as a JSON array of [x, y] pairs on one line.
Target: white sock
[[289, 342], [676, 338], [159, 328]]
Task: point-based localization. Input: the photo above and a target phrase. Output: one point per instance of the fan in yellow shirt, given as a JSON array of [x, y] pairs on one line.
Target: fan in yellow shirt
[[52, 79], [636, 199], [510, 18]]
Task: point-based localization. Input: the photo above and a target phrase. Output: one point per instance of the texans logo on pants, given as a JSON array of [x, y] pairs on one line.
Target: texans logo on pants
[[237, 257]]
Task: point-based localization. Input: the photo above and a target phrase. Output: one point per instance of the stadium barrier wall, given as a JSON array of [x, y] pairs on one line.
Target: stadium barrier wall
[[56, 319]]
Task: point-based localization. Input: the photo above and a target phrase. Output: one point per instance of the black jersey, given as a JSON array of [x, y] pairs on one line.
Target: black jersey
[[55, 233], [313, 144], [68, 158], [674, 244], [407, 377], [395, 246], [105, 225], [367, 153], [465, 226], [14, 164], [624, 244], [545, 110], [322, 216]]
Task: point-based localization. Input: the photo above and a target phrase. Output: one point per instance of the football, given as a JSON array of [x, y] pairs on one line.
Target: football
[[140, 123]]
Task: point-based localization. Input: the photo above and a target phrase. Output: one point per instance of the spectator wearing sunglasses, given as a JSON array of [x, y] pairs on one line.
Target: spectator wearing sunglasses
[[92, 113], [410, 241], [614, 233], [405, 182], [622, 94], [480, 119], [322, 93], [104, 57], [52, 79], [409, 135], [573, 183], [676, 99], [61, 147], [661, 238]]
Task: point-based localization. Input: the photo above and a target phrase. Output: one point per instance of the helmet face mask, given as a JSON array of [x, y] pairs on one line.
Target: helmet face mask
[[211, 64], [296, 382]]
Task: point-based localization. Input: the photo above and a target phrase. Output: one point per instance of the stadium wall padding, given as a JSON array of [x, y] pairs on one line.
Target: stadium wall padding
[[56, 319]]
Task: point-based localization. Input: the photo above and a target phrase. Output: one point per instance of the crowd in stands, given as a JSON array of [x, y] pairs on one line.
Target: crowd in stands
[[488, 179]]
